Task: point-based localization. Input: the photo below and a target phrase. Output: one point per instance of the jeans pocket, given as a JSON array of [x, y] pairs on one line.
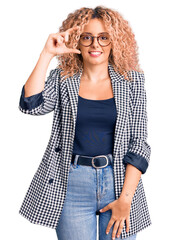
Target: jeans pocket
[[72, 167]]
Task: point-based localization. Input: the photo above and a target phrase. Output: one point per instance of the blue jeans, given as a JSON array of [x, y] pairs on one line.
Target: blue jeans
[[89, 190]]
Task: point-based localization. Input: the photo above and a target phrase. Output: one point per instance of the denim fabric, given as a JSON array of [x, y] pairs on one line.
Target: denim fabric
[[88, 191]]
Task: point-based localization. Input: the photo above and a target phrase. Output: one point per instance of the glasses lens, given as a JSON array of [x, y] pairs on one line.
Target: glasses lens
[[86, 40], [104, 40]]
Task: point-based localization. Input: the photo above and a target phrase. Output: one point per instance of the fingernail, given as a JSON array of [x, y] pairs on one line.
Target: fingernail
[[106, 232], [100, 210]]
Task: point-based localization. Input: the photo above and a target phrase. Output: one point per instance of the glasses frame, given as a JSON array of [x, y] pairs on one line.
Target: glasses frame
[[93, 40]]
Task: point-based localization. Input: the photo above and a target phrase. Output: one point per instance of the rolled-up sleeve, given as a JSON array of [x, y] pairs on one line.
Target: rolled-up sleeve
[[43, 102], [139, 150]]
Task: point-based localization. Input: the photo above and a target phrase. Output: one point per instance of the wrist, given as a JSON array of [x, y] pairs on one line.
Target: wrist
[[126, 197], [46, 55]]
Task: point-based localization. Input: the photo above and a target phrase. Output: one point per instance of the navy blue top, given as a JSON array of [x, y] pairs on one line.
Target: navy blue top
[[95, 126]]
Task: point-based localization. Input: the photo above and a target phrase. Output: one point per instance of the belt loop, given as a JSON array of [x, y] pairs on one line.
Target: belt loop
[[111, 158], [76, 159]]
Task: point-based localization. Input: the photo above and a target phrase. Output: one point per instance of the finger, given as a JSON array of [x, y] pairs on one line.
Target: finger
[[66, 37], [116, 225], [106, 208], [127, 224], [111, 222], [72, 50], [58, 37], [68, 31], [73, 29], [75, 51], [120, 228]]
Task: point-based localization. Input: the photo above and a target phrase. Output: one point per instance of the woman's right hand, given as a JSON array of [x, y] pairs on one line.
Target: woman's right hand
[[56, 43]]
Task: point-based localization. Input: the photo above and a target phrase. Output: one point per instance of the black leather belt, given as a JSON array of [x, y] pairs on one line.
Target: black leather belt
[[99, 161]]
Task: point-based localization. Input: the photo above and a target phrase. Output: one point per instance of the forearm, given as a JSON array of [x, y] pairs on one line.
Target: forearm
[[132, 177], [36, 81]]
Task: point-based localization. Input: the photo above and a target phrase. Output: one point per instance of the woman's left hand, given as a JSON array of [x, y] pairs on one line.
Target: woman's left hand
[[120, 212]]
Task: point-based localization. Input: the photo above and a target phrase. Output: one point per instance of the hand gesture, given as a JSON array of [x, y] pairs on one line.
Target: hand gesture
[[120, 213], [56, 43]]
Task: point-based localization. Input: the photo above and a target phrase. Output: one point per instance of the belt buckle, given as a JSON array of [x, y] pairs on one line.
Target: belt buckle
[[97, 157]]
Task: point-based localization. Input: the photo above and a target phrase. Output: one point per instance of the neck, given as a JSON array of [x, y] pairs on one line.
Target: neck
[[95, 72]]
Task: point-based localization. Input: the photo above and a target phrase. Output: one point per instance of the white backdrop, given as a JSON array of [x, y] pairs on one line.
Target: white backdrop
[[25, 26]]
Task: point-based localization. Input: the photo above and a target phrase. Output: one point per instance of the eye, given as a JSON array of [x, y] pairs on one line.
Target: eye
[[104, 37], [86, 37]]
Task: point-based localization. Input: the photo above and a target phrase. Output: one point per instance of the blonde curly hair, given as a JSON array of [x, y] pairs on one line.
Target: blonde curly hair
[[124, 50]]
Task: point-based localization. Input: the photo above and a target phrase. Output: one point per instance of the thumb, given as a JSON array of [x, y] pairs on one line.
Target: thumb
[[106, 208], [74, 50]]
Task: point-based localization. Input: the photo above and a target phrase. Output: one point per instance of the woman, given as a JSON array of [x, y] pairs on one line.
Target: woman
[[97, 151]]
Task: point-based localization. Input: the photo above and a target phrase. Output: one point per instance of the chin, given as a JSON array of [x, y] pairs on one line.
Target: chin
[[96, 61]]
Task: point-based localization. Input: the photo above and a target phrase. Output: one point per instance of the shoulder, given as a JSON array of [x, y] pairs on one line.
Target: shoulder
[[55, 72], [54, 76], [137, 79], [137, 84]]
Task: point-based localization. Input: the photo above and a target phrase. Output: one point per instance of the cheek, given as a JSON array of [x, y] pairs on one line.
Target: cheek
[[84, 53], [107, 52]]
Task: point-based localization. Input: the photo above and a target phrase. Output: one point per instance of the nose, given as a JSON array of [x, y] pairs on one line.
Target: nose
[[95, 42]]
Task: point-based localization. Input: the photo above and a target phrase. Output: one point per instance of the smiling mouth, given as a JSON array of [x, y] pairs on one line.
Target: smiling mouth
[[95, 53]]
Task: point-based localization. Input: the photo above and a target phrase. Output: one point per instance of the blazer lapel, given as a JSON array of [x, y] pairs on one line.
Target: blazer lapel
[[120, 88], [121, 93]]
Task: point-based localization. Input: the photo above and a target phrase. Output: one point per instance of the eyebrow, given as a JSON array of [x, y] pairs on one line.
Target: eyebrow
[[91, 33]]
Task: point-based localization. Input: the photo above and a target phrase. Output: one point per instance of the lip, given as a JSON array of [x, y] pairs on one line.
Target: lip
[[95, 51], [94, 55]]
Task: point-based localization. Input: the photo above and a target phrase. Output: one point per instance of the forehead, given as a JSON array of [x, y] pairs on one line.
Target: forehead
[[95, 26]]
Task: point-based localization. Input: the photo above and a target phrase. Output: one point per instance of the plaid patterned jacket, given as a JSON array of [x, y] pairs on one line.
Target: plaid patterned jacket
[[45, 196]]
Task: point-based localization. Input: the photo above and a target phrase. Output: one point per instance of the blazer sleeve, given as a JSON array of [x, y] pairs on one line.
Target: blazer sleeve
[[139, 150], [43, 102]]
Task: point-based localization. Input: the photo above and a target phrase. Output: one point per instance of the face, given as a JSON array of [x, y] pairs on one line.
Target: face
[[94, 27]]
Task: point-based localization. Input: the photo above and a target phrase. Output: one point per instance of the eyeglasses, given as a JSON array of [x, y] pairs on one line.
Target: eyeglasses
[[103, 40]]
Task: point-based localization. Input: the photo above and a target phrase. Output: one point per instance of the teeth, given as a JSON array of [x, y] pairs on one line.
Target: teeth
[[96, 53]]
